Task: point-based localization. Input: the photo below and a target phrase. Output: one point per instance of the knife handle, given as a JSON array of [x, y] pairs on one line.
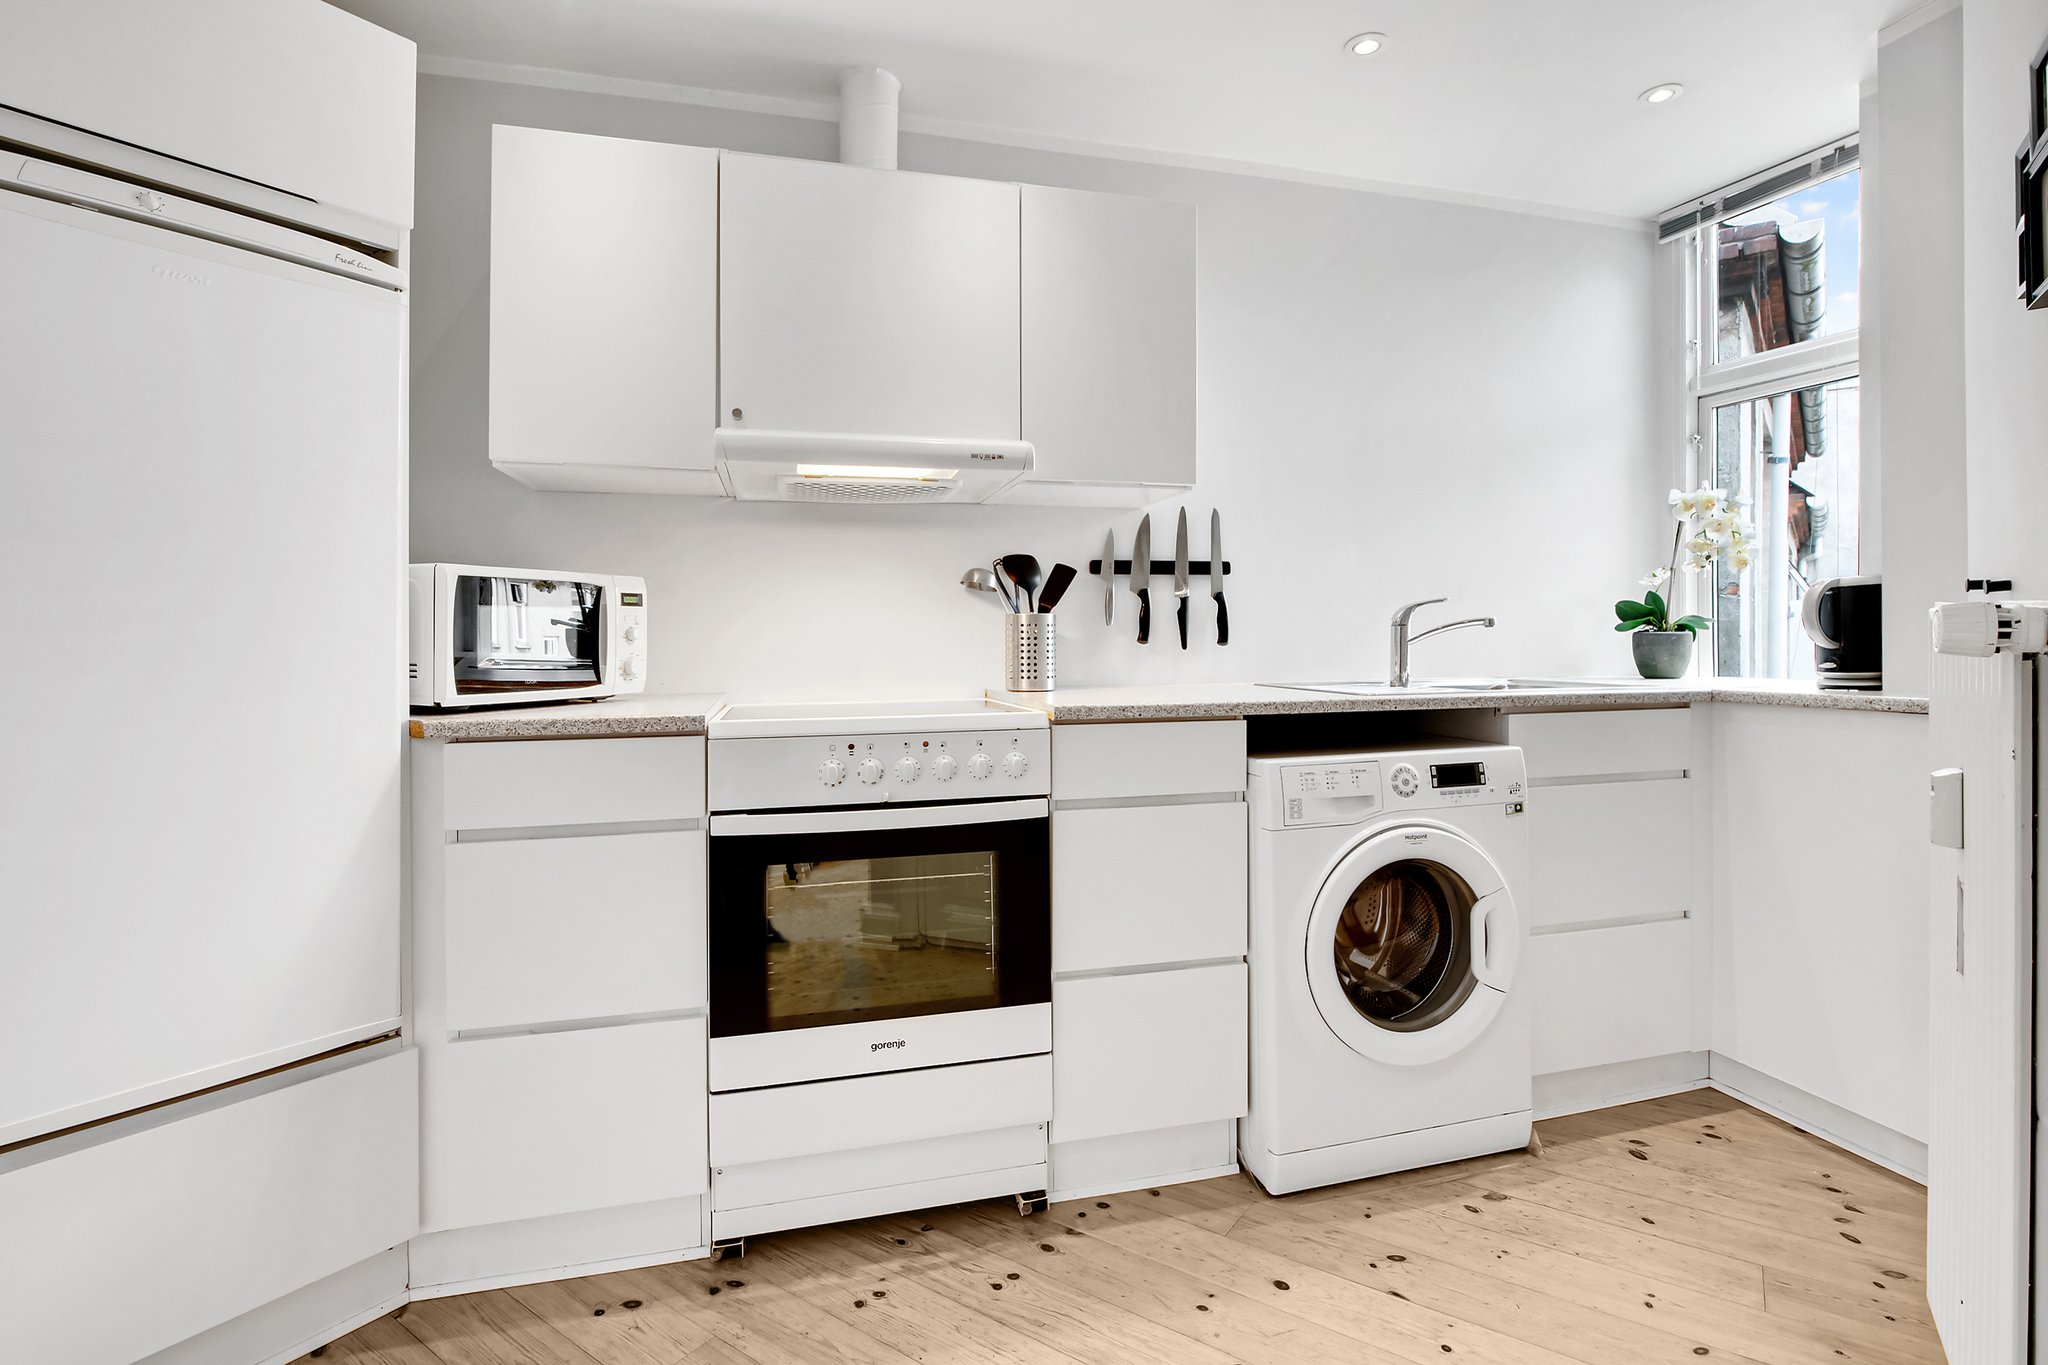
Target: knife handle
[[1222, 621], [1144, 616], [1180, 617]]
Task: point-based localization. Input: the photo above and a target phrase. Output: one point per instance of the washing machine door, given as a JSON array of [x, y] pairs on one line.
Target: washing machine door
[[1412, 944]]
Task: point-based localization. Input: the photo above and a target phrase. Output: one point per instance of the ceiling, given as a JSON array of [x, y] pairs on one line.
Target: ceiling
[[1533, 103]]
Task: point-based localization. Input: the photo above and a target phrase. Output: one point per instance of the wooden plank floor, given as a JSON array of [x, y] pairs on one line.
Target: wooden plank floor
[[1666, 1231]]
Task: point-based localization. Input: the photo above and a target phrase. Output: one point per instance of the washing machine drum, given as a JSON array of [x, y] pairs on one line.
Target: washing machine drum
[[1412, 945]]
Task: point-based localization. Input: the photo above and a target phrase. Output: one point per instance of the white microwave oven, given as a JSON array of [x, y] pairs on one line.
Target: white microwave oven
[[482, 636]]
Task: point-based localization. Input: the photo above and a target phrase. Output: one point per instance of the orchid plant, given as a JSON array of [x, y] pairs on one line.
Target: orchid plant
[[1710, 528]]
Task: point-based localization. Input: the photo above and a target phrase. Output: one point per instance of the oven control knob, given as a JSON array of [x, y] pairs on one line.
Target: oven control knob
[[632, 632], [1014, 764], [907, 768], [831, 772], [943, 768], [980, 766], [871, 770], [629, 668]]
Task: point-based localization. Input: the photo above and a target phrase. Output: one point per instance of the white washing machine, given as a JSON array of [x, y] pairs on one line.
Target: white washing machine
[[1387, 1028]]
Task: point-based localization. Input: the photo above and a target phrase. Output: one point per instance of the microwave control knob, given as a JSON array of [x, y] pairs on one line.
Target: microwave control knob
[[907, 768], [629, 668], [980, 766], [1014, 764], [633, 632], [871, 770], [831, 772], [943, 768]]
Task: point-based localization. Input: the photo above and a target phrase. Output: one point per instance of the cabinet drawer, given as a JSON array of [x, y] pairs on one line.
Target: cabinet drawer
[[1156, 758], [1611, 995], [510, 784], [545, 1123], [1597, 743], [1149, 1050], [132, 1243], [590, 927], [780, 1122], [1136, 885], [1605, 851]]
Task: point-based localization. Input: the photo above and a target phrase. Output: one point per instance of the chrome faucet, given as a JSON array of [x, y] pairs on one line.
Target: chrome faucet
[[1397, 657]]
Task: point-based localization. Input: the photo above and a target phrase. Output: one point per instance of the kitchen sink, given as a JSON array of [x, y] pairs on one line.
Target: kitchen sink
[[1381, 689]]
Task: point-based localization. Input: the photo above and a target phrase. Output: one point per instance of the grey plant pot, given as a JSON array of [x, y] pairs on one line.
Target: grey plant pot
[[1662, 653]]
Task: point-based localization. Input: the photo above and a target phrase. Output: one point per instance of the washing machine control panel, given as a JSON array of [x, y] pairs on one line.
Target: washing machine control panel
[[1322, 794]]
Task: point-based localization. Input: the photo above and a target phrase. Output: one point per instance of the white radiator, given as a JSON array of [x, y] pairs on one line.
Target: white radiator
[[1981, 965]]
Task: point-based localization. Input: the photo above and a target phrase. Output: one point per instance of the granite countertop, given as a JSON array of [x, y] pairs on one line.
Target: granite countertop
[[1219, 701], [647, 713]]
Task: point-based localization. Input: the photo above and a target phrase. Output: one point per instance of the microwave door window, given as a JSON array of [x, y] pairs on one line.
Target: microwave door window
[[526, 634]]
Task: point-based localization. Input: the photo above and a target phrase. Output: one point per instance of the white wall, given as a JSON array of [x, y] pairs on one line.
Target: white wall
[[2005, 346], [1820, 910], [1399, 399], [1913, 340]]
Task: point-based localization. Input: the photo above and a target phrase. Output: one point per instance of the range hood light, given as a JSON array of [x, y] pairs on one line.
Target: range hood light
[[865, 471]]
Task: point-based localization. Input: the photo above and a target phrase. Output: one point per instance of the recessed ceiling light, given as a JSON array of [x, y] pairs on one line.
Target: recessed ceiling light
[[1662, 94], [1365, 44]]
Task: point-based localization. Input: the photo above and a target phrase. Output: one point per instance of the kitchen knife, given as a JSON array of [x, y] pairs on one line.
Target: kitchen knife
[[1109, 579], [1180, 577], [1216, 576], [1141, 578], [1056, 584]]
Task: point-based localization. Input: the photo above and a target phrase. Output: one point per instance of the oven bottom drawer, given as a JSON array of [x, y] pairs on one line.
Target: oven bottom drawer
[[879, 1111], [749, 1061]]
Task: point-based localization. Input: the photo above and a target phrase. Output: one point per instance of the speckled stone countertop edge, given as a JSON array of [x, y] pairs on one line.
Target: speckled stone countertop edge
[[1284, 702], [641, 717]]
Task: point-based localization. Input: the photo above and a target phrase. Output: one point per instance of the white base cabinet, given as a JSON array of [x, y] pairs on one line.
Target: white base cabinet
[[1149, 884], [124, 1240]]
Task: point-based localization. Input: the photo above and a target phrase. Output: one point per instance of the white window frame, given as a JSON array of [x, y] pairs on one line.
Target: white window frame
[[1710, 384]]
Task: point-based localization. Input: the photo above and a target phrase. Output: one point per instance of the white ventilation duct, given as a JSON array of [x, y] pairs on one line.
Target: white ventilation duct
[[867, 117]]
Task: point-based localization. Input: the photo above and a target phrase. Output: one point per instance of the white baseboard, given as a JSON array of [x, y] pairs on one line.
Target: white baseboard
[[1824, 1119], [1136, 1161], [1599, 1087], [562, 1247], [285, 1329]]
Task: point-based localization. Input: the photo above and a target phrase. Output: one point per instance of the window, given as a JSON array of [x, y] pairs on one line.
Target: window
[[1773, 398]]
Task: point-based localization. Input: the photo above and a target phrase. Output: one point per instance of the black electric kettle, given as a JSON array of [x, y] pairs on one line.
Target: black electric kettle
[[1845, 618]]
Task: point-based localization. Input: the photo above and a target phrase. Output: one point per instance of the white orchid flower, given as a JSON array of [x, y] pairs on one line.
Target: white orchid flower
[[1703, 547], [1680, 504], [1740, 557], [1722, 525], [1655, 577], [1695, 563]]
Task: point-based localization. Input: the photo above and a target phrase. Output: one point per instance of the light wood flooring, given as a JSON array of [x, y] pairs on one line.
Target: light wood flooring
[[1666, 1231]]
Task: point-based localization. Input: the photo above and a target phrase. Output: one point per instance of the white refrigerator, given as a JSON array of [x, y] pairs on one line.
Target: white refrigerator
[[202, 522]]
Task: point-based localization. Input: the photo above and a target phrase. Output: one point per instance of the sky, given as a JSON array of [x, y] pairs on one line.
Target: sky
[[1837, 206]]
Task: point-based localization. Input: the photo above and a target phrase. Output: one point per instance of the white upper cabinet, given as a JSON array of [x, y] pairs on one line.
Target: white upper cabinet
[[604, 312], [1109, 347], [865, 301], [292, 94]]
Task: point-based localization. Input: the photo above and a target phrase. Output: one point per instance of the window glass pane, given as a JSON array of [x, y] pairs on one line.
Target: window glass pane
[[1794, 457], [878, 938], [1786, 271]]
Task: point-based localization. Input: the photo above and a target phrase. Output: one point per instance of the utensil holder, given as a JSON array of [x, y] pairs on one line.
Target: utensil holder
[[1029, 644]]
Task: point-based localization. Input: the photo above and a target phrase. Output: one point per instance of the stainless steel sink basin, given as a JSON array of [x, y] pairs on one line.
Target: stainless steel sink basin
[[1382, 689]]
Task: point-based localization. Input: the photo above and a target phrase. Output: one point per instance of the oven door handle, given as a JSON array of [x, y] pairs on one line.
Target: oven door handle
[[882, 817]]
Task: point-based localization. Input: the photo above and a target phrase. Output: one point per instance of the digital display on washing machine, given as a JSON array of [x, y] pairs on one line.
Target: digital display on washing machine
[[1443, 775]]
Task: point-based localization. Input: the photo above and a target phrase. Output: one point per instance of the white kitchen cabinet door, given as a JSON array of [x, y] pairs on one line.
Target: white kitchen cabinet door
[[1147, 758], [546, 931], [1109, 346], [1610, 995], [1140, 885], [521, 783], [1602, 853], [1583, 744], [866, 301], [1148, 1050], [542, 1123], [604, 312], [122, 1241]]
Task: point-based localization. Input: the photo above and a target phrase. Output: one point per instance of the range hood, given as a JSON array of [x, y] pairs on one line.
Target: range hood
[[810, 466]]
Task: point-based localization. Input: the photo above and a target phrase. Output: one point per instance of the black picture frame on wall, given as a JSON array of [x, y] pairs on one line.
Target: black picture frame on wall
[[2030, 211], [2037, 101]]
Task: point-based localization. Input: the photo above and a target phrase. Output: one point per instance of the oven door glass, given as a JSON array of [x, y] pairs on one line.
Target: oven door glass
[[526, 634], [811, 929]]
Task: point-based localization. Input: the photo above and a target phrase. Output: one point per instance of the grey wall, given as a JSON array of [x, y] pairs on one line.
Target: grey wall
[[1399, 399], [2005, 346]]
